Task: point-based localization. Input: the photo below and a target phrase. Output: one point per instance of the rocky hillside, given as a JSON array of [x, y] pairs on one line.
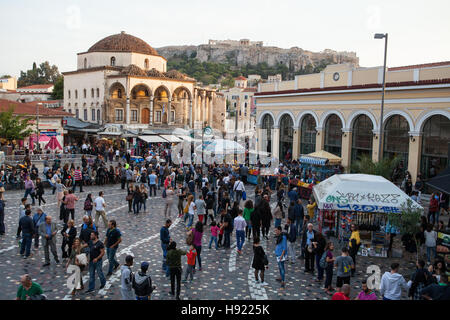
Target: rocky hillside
[[294, 58]]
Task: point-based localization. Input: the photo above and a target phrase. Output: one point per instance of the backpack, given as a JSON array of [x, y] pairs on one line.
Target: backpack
[[323, 260], [88, 205]]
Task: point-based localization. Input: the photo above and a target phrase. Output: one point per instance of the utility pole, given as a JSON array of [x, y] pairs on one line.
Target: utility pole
[[37, 125], [380, 146]]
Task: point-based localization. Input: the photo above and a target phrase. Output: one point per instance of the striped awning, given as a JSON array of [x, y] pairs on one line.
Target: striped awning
[[313, 160]]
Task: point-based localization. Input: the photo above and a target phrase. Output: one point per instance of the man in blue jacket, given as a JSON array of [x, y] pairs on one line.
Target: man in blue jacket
[[164, 236], [280, 252], [299, 216]]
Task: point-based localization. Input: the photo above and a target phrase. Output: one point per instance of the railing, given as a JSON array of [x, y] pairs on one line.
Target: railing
[[50, 156]]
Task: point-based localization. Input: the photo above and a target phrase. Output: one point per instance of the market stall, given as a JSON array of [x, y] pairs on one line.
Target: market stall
[[363, 200]]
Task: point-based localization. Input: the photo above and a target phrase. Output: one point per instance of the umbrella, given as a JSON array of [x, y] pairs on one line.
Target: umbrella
[[53, 144], [221, 146]]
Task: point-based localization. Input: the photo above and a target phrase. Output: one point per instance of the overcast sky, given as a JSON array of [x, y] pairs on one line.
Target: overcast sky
[[30, 30]]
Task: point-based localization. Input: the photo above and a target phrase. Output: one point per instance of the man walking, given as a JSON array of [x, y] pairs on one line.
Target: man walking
[[70, 201], [48, 232], [100, 206], [164, 236], [239, 189], [38, 219], [26, 224], [291, 237], [239, 225], [142, 283], [126, 280], [344, 265], [299, 216], [112, 240], [152, 181], [78, 177], [97, 251]]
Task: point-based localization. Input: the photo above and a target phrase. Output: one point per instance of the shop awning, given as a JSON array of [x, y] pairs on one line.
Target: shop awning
[[313, 160], [152, 139], [171, 138], [360, 192]]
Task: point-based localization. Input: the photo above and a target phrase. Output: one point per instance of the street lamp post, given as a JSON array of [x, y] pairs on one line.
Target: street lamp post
[[380, 146], [37, 125]]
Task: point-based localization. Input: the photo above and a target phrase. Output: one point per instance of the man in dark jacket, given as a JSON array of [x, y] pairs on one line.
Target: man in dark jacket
[[164, 236], [142, 283], [293, 195], [26, 224], [309, 236], [255, 219], [299, 216], [291, 237], [266, 215]]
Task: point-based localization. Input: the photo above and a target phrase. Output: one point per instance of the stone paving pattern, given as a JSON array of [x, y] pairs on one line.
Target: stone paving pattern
[[140, 236]]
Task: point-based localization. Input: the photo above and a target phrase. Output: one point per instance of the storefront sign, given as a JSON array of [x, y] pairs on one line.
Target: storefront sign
[[345, 198], [365, 208]]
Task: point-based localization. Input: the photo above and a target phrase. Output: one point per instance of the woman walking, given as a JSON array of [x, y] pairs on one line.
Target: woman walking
[[260, 261], [137, 198], [278, 214], [40, 191], [329, 268], [79, 259], [197, 242], [59, 191], [69, 232], [169, 202], [129, 198], [88, 205], [144, 196]]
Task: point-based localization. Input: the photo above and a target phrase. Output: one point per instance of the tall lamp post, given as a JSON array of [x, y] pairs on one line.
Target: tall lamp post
[[380, 146], [37, 125]]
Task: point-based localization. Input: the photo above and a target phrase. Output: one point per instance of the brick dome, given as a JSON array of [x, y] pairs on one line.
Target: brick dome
[[123, 42]]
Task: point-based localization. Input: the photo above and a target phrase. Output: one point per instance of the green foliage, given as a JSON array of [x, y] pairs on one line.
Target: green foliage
[[44, 74], [408, 221], [214, 72], [14, 127], [58, 89], [367, 166], [5, 76]]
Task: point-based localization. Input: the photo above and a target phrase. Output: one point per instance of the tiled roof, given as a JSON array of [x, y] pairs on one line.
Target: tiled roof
[[241, 78], [37, 86], [364, 86], [29, 109], [250, 89], [418, 66]]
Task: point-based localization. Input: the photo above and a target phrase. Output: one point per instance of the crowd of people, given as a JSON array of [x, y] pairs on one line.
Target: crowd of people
[[210, 200]]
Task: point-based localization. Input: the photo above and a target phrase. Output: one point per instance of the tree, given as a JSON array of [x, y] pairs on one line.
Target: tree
[[58, 89], [408, 222], [44, 74], [14, 127], [383, 168]]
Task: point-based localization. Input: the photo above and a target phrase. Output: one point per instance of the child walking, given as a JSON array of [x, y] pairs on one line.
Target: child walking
[[191, 255], [214, 231]]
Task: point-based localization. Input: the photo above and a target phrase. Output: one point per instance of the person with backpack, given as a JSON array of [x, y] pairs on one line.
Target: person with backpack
[[174, 261], [142, 283], [344, 264], [239, 189], [260, 261], [126, 279], [291, 237], [419, 280], [280, 252], [88, 205]]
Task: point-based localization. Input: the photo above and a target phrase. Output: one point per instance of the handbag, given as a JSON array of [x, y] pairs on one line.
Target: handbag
[[244, 195], [82, 259], [129, 197], [265, 260]]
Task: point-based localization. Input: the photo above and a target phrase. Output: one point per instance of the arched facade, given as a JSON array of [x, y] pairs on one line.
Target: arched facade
[[286, 123], [333, 134], [362, 136], [396, 138], [266, 123], [308, 133]]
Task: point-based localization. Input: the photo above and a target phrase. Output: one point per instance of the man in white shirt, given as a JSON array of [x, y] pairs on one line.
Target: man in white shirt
[[100, 206], [239, 225], [239, 189]]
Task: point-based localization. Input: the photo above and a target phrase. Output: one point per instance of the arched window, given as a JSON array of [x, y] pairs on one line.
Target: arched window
[[333, 135], [286, 137], [76, 94], [85, 113], [68, 93], [84, 93], [92, 92], [396, 139], [119, 93], [77, 113], [113, 61], [267, 126], [308, 135], [98, 92], [85, 63], [146, 65], [362, 137], [435, 142], [93, 114], [98, 115]]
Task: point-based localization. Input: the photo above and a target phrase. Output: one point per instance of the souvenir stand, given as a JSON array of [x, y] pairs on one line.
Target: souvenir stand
[[321, 164], [363, 200]]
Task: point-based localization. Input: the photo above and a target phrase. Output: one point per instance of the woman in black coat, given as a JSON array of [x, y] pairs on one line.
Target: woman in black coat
[[255, 219], [137, 198], [40, 190], [266, 216], [69, 232], [259, 260]]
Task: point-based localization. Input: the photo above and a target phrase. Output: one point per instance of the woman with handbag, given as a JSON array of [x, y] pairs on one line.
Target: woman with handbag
[[59, 191], [144, 196], [69, 232], [260, 261], [78, 258], [88, 205], [137, 199]]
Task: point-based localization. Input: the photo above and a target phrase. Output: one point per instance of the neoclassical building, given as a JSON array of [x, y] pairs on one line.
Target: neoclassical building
[[123, 80], [339, 110]]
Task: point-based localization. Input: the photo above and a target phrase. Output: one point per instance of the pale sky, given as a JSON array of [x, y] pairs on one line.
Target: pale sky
[[30, 30]]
